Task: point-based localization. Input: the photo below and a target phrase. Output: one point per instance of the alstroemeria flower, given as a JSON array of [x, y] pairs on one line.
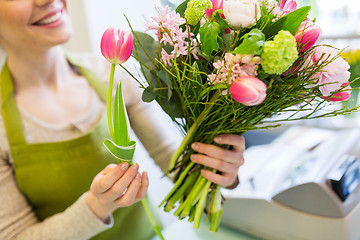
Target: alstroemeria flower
[[241, 13], [343, 95], [116, 45], [331, 76], [249, 91], [307, 35], [216, 5]]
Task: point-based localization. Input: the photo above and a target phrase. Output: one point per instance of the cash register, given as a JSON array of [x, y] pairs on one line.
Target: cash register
[[304, 185]]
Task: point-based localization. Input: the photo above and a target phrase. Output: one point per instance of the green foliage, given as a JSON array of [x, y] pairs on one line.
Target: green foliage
[[252, 43], [182, 7], [290, 22], [209, 33]]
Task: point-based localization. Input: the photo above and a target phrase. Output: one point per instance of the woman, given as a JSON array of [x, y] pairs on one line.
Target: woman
[[51, 131]]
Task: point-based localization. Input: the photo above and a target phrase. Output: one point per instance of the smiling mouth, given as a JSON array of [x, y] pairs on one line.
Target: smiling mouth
[[50, 19]]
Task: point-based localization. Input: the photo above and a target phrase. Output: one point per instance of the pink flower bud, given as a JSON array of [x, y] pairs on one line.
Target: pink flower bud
[[307, 35], [116, 45], [289, 7], [249, 91], [217, 5], [340, 96]]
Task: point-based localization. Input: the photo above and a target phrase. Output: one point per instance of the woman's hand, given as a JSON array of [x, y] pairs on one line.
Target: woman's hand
[[114, 187], [225, 161]]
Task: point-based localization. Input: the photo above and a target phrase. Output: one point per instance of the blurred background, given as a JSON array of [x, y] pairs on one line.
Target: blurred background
[[339, 21]]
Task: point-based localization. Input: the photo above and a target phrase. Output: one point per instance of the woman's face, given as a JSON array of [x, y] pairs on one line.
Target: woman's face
[[29, 24]]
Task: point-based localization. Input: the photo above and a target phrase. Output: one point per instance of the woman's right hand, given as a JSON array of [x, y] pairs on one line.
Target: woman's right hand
[[114, 187]]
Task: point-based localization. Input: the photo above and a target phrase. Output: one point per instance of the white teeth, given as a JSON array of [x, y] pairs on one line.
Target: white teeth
[[51, 19]]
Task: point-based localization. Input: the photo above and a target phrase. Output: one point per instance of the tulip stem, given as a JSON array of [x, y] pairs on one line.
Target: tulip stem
[[109, 98], [151, 219]]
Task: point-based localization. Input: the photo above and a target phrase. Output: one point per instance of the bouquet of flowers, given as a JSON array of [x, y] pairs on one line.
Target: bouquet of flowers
[[229, 66]]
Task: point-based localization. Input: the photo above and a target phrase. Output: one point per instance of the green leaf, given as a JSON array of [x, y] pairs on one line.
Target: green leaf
[[252, 43], [163, 75], [121, 153], [209, 33], [228, 39], [121, 122], [145, 48], [290, 22], [181, 8], [148, 94], [223, 24]]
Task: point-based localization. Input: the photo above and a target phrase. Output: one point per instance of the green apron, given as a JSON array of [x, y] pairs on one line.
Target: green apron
[[54, 175]]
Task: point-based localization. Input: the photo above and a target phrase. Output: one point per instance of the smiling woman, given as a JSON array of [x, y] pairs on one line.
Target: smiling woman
[[25, 24]]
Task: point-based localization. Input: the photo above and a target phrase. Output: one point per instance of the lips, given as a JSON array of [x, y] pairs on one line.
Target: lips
[[50, 18]]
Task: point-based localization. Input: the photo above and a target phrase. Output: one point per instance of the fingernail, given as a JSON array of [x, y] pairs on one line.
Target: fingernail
[[135, 166], [218, 139], [124, 165], [195, 146], [138, 175], [193, 157]]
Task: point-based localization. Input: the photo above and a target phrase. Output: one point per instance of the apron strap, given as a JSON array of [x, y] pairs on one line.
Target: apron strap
[[9, 109], [10, 112]]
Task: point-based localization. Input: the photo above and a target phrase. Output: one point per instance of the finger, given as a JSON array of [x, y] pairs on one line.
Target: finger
[[144, 187], [237, 141], [103, 172], [122, 183], [108, 177], [218, 152], [214, 163], [223, 180], [129, 197]]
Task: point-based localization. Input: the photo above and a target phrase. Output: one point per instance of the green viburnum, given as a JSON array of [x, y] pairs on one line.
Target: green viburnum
[[195, 10], [278, 55]]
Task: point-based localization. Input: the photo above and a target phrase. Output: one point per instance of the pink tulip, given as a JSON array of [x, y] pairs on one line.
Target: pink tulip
[[249, 91], [341, 96], [307, 35], [289, 7], [116, 45], [217, 5]]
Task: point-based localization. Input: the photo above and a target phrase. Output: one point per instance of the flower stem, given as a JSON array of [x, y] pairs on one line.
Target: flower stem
[[201, 205], [108, 104], [178, 182], [151, 219], [189, 135], [191, 199], [216, 210], [180, 192]]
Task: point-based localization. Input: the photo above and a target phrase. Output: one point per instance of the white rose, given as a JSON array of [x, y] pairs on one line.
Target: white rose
[[241, 13]]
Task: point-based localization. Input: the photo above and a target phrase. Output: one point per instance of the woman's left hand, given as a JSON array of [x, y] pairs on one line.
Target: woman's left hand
[[223, 160]]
